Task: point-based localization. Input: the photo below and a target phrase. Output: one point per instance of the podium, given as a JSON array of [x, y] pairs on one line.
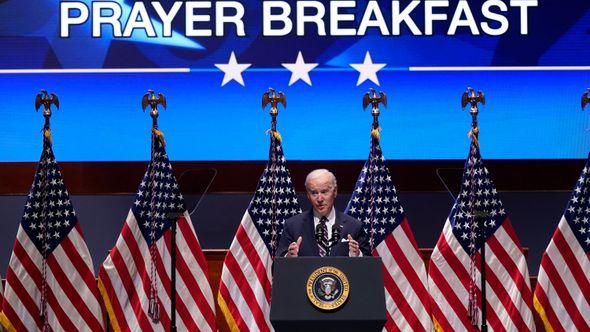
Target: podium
[[292, 309]]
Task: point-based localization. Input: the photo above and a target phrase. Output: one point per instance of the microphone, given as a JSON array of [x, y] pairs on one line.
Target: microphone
[[319, 234], [336, 234]]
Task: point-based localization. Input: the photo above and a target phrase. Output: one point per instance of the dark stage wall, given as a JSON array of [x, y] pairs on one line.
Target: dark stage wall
[[534, 214]]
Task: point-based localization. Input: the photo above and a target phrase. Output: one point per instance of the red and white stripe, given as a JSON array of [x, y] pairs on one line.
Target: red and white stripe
[[246, 282], [405, 280], [124, 281], [562, 294], [509, 298], [72, 295]]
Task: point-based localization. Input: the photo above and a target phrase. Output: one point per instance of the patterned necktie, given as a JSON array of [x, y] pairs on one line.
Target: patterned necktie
[[323, 238]]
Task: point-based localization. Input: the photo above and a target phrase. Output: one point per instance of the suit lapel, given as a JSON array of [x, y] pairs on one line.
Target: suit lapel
[[340, 221]]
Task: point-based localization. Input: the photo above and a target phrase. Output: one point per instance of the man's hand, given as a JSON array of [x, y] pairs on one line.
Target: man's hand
[[353, 247], [293, 250]]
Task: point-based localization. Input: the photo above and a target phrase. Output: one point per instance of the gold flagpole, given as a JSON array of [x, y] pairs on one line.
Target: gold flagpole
[[152, 100], [45, 99], [469, 97], [273, 98], [371, 98]]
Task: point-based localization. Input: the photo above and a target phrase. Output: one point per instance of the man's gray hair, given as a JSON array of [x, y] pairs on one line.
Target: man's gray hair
[[318, 173]]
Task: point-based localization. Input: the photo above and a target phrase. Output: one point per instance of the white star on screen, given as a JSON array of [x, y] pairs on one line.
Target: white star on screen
[[300, 70], [367, 70], [232, 70]]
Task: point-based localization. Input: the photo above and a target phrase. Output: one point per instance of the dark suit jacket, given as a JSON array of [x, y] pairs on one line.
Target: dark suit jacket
[[302, 225]]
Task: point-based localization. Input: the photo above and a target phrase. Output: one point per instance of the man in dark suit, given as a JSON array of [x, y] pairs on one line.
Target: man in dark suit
[[322, 231]]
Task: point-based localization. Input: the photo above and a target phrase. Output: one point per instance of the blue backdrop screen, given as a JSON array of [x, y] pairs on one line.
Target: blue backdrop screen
[[532, 79]]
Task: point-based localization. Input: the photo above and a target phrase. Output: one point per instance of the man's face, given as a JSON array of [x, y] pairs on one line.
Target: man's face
[[321, 193]]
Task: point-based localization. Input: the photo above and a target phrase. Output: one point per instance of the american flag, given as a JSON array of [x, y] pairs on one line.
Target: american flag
[[375, 203], [453, 274], [50, 284], [562, 294], [246, 279], [134, 280]]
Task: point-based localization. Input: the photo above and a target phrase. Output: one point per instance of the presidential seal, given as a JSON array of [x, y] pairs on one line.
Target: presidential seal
[[327, 288]]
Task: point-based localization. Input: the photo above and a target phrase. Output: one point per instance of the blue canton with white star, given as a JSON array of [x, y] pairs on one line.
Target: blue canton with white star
[[374, 201], [158, 201], [478, 195], [275, 199], [49, 215], [577, 212]]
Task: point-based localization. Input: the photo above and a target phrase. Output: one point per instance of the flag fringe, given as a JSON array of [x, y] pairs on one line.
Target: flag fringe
[[231, 322], [541, 311], [435, 325], [5, 323], [108, 306]]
